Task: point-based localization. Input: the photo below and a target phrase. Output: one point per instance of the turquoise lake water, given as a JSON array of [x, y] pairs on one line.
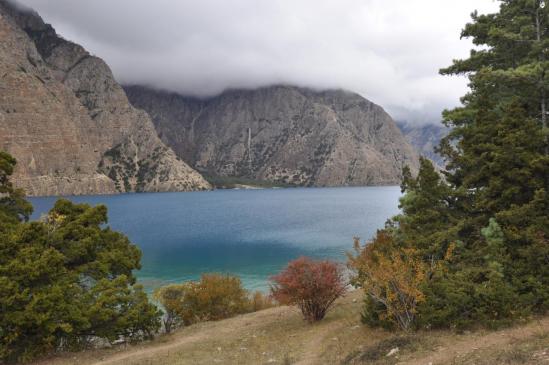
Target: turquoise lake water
[[249, 233]]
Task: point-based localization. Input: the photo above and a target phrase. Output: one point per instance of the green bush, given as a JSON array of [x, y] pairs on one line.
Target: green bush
[[66, 279]]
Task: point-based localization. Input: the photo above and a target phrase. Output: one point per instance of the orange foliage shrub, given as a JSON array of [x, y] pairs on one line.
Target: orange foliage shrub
[[311, 285], [171, 297], [212, 298], [259, 301], [392, 277]]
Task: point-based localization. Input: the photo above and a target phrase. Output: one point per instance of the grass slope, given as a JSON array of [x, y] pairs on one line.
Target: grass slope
[[280, 336]]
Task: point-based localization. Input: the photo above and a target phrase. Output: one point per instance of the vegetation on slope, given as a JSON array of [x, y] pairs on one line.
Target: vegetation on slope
[[469, 250], [473, 249], [280, 336], [66, 280], [313, 286], [212, 298]]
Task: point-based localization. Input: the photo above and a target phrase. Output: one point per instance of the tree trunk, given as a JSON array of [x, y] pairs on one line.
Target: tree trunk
[[543, 102]]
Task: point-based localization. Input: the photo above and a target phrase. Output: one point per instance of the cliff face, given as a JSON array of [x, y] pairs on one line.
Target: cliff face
[[68, 122], [283, 134], [425, 138]]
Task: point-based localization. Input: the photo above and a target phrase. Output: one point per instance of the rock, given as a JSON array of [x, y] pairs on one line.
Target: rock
[[393, 351], [542, 355], [68, 122], [424, 138], [283, 134]]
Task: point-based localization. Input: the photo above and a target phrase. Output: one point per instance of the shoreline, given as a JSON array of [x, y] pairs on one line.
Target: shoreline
[[250, 188]]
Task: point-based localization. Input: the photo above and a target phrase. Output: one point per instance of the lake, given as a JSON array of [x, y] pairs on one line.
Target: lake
[[249, 233]]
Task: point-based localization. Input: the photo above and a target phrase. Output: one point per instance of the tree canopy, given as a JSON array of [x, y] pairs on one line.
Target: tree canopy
[[13, 206], [65, 280], [492, 206]]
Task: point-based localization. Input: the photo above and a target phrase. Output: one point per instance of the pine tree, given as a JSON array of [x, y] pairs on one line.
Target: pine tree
[[426, 218], [499, 167], [493, 205]]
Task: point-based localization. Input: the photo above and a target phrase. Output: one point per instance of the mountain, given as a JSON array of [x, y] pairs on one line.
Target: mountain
[[69, 123], [283, 134], [425, 138]]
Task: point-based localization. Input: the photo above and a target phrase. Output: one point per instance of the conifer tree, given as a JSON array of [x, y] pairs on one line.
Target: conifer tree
[[426, 217], [13, 206], [493, 205], [499, 167], [65, 279]]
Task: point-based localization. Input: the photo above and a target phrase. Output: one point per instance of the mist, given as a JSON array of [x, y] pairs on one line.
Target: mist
[[389, 54]]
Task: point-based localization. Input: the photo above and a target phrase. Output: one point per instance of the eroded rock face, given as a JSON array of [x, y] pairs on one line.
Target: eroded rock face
[[283, 134], [68, 122], [425, 138]]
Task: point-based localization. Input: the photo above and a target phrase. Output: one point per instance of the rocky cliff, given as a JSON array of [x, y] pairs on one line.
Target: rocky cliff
[[425, 138], [283, 134], [68, 122]]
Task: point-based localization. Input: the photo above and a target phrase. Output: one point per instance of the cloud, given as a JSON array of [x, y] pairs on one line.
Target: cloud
[[389, 52]]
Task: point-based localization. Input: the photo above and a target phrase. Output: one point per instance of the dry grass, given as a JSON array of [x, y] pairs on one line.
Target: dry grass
[[280, 336], [533, 350]]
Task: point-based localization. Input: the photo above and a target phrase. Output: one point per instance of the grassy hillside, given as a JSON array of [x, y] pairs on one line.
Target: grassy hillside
[[280, 336]]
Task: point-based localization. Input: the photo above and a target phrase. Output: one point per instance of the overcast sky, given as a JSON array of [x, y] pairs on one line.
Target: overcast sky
[[389, 51]]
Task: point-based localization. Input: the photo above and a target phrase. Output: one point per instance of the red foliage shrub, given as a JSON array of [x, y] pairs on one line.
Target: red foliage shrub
[[311, 285]]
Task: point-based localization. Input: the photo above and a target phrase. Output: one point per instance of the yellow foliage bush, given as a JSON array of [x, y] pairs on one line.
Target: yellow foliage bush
[[214, 297], [391, 277], [259, 301]]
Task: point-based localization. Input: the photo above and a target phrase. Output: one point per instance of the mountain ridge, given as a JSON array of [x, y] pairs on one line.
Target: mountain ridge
[[68, 122], [425, 138], [281, 133]]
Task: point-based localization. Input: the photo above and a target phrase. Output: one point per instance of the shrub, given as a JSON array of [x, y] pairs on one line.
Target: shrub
[[311, 285], [392, 278], [259, 301], [67, 280], [170, 297], [212, 298]]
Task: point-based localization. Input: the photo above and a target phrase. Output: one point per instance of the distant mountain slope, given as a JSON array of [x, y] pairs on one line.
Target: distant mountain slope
[[283, 134], [425, 138], [68, 122]]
